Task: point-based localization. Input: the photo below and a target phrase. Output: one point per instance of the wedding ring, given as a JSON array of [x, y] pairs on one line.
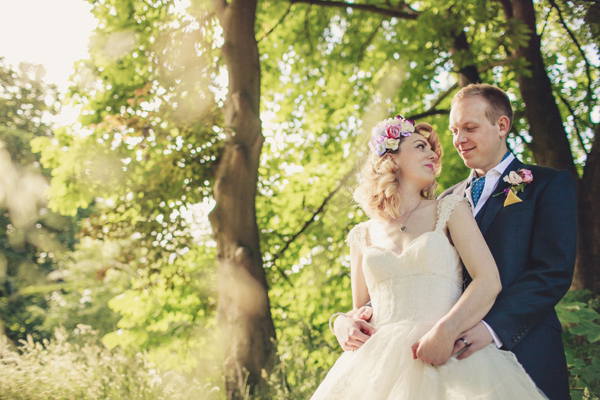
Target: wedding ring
[[464, 341]]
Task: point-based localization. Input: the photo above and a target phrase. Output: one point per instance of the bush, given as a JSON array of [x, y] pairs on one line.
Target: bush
[[58, 369], [76, 366], [581, 336]]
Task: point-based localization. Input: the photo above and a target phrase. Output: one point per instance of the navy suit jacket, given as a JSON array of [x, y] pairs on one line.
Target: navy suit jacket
[[534, 245]]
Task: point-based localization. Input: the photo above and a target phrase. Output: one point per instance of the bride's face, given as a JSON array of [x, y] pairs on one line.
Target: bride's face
[[416, 161]]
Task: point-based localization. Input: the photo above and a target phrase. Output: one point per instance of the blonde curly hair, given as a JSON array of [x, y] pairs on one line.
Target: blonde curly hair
[[378, 195]]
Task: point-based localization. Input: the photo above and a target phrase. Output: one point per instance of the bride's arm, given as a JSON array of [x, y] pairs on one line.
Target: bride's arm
[[477, 300], [360, 293], [436, 346], [353, 331]]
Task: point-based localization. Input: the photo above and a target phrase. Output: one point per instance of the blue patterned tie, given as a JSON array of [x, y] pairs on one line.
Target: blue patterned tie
[[477, 185]]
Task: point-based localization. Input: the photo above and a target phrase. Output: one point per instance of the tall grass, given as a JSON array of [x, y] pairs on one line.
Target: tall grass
[[77, 366], [59, 369]]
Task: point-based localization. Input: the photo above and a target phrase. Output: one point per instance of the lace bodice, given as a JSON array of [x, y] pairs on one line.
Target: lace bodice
[[421, 284]]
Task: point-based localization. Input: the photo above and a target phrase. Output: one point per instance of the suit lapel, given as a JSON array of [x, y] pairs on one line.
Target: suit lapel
[[496, 200], [461, 188], [481, 213]]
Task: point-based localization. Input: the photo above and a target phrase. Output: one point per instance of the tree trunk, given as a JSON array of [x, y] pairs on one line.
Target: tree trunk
[[587, 274], [551, 147], [243, 309], [464, 60], [588, 258]]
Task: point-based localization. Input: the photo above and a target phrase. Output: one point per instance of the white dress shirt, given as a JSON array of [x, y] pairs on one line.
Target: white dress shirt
[[492, 177], [491, 181]]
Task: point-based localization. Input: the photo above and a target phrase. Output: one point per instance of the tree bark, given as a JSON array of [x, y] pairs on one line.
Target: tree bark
[[550, 146], [464, 61], [243, 310], [587, 273], [588, 258]]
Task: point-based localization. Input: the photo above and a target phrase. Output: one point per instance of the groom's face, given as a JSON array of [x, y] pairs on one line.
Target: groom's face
[[479, 143]]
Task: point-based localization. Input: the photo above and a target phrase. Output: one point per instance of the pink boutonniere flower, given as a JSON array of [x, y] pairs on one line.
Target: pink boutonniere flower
[[517, 181]]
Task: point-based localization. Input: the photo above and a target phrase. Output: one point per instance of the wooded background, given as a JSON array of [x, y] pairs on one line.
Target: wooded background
[[256, 111]]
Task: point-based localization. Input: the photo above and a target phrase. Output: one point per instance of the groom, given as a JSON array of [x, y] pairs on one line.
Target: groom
[[532, 238]]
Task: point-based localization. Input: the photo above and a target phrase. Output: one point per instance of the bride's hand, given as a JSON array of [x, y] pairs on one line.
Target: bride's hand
[[365, 313], [352, 333], [435, 347]]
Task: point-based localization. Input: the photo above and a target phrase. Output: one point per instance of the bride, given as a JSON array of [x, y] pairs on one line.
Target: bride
[[406, 260]]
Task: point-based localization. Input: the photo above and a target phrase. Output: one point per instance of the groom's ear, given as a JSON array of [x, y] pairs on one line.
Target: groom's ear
[[504, 126]]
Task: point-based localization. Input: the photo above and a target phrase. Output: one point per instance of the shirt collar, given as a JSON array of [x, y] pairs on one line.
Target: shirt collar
[[497, 170]]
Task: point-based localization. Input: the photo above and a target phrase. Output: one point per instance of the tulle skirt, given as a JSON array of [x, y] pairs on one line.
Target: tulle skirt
[[383, 368]]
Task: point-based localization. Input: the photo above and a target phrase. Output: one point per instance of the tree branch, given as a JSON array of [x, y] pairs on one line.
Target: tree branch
[[498, 63], [307, 30], [587, 63], [278, 23], [282, 273], [546, 21], [463, 59], [404, 6], [361, 51], [433, 110], [442, 96], [363, 7], [575, 118], [308, 222], [428, 113]]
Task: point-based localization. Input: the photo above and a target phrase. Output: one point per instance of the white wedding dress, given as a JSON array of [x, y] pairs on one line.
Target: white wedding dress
[[409, 294]]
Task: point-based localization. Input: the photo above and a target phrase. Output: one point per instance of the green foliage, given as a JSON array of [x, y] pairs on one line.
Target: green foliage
[[149, 143], [141, 164], [581, 334], [168, 313], [57, 369], [32, 238], [91, 275], [24, 98], [576, 79]]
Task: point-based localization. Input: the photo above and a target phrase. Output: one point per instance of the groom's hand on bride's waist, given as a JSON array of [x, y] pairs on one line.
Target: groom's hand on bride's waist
[[353, 331], [473, 340]]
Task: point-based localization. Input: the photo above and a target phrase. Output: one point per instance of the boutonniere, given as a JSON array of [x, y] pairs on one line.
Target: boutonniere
[[517, 181]]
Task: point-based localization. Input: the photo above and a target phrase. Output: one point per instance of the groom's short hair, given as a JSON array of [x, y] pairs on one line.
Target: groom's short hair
[[497, 100]]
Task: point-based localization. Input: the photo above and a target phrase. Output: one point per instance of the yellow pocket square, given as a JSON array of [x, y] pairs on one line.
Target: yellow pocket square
[[511, 198]]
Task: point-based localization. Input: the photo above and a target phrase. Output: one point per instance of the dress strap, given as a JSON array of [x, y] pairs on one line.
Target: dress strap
[[358, 236], [445, 207]]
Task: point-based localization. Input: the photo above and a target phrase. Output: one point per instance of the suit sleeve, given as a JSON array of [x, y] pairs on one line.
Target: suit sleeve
[[551, 261]]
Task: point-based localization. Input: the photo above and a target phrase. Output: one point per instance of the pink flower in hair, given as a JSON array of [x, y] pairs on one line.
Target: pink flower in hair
[[386, 134], [393, 132]]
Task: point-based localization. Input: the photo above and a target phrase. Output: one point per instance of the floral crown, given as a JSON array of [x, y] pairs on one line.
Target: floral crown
[[386, 134]]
